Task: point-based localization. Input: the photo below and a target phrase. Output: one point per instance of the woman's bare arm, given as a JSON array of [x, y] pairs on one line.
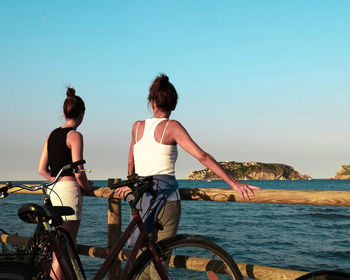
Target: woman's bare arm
[[43, 167], [131, 164], [76, 144], [181, 136]]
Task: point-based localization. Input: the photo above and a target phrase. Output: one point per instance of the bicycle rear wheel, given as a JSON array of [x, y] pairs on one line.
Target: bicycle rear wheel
[[188, 258], [13, 270]]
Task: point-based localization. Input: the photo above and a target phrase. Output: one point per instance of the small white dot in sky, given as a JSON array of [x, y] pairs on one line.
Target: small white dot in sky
[[44, 16]]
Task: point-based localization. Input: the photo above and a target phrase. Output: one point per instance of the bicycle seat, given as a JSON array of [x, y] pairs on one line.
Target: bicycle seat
[[33, 214]]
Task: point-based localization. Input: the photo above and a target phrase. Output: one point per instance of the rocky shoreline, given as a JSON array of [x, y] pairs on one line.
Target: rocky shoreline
[[252, 171], [343, 173]]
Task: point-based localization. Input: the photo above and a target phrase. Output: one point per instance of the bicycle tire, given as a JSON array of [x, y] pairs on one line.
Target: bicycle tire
[[191, 258], [13, 270], [70, 255]]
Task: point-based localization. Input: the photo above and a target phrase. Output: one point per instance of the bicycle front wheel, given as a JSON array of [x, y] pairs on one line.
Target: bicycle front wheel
[[13, 270], [188, 257]]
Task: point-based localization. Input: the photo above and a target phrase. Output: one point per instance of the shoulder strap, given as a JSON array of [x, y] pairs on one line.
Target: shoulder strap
[[137, 129], [166, 125]]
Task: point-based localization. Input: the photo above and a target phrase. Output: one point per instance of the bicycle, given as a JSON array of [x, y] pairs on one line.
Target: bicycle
[[48, 237], [188, 256]]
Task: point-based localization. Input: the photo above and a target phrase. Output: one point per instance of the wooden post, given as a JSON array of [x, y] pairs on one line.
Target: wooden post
[[114, 230]]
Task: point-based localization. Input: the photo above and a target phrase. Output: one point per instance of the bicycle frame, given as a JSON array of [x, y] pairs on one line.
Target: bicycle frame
[[142, 240]]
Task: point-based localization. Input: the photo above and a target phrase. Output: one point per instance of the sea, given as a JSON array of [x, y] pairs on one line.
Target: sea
[[296, 237]]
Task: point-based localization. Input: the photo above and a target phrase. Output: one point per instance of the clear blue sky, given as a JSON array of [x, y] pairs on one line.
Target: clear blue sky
[[257, 80]]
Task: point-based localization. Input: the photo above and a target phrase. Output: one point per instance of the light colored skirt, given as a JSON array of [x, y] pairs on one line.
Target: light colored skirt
[[67, 193]]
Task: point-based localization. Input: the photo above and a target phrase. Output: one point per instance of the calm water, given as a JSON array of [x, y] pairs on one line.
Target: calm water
[[296, 237]]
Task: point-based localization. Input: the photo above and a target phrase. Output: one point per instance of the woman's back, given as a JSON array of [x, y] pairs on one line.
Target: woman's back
[[151, 155], [58, 153]]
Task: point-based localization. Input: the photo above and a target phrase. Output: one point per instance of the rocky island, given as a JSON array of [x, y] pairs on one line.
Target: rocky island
[[251, 171], [343, 173]]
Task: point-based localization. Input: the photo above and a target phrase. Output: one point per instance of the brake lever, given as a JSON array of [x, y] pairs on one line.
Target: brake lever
[[4, 190], [3, 193]]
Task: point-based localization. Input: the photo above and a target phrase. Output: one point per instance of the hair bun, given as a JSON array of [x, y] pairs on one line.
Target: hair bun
[[163, 78], [70, 92]]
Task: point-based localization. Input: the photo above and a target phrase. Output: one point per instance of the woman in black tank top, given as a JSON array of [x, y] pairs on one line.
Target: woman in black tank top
[[63, 146]]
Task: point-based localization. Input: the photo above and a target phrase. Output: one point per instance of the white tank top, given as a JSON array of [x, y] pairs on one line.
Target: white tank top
[[151, 157]]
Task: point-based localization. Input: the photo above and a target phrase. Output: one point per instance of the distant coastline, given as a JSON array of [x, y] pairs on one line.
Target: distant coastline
[[343, 173], [262, 171], [252, 171], [244, 171]]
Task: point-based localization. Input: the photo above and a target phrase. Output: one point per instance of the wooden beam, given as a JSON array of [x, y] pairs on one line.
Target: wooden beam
[[308, 197], [13, 239], [268, 273]]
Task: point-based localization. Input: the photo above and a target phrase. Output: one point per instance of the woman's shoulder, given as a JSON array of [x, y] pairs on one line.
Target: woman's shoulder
[[74, 135], [174, 123], [176, 128], [58, 132], [62, 130], [138, 123], [55, 130]]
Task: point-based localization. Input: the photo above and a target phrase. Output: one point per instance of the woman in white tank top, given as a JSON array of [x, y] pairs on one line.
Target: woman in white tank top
[[153, 148]]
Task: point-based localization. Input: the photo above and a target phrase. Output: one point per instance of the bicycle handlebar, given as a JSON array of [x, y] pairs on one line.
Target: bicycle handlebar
[[138, 185], [74, 165], [132, 180]]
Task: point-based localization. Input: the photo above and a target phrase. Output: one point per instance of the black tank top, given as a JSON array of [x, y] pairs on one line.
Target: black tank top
[[58, 153]]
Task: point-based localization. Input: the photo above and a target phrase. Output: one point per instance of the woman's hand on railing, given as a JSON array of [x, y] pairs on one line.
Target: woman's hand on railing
[[122, 192], [245, 191]]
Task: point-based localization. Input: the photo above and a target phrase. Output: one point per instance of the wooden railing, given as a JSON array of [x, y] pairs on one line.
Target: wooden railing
[[309, 197]]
